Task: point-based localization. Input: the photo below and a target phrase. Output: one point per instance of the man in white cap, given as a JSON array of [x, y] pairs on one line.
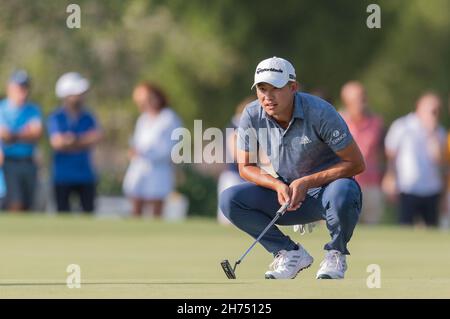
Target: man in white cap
[[315, 158], [74, 132]]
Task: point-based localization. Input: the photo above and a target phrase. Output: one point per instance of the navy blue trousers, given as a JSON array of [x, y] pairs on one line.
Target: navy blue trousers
[[251, 208]]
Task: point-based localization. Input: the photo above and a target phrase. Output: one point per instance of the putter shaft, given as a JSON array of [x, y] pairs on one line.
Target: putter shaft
[[280, 213], [231, 272]]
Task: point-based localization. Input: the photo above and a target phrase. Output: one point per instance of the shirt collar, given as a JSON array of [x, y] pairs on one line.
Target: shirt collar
[[298, 107]]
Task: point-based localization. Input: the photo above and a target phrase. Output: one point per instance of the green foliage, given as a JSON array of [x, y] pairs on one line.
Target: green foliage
[[110, 184], [412, 59], [203, 53], [201, 191]]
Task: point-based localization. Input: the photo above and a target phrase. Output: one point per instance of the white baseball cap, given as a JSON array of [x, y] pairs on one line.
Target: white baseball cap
[[71, 83], [275, 71]]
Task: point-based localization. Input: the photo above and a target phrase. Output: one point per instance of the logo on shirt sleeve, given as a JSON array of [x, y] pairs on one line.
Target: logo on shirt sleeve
[[337, 137]]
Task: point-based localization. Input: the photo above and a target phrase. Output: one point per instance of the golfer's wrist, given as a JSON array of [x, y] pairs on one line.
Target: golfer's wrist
[[277, 184], [306, 182]]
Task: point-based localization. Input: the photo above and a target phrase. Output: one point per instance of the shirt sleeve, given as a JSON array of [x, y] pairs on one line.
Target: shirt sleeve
[[35, 114], [448, 152], [333, 130], [2, 116], [442, 136], [53, 126], [393, 136], [246, 135], [91, 123]]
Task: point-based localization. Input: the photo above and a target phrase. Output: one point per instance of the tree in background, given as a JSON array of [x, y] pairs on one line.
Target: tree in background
[[203, 53]]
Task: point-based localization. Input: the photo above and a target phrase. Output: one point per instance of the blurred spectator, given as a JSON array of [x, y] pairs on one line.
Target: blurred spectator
[[20, 130], [367, 130], [415, 146], [2, 178], [230, 176], [74, 132], [150, 177], [445, 218]]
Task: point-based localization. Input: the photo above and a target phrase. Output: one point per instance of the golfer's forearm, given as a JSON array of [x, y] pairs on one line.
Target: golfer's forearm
[[258, 176], [340, 170]]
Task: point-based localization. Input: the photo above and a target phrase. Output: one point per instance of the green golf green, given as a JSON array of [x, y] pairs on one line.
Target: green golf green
[[152, 259]]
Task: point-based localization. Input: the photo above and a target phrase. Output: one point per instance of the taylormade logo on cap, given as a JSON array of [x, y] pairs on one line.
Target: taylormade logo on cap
[[275, 71], [258, 71]]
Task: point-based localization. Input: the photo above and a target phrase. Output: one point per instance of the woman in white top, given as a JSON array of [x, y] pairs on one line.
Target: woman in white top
[[150, 175]]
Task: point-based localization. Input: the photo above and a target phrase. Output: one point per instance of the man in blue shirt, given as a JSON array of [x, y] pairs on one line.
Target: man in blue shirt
[[20, 130], [2, 177], [73, 133], [314, 155]]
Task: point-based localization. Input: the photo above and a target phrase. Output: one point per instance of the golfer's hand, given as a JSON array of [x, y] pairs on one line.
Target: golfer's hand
[[283, 193], [298, 188]]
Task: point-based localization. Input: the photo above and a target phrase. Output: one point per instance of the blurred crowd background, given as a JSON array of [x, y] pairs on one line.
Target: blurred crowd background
[[136, 64]]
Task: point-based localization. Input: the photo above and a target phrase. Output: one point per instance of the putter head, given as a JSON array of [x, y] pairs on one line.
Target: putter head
[[229, 271]]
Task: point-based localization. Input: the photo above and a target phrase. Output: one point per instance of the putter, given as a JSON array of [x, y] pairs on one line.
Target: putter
[[226, 266]]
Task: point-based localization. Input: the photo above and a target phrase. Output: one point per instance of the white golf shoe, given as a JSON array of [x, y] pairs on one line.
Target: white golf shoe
[[333, 266], [287, 264]]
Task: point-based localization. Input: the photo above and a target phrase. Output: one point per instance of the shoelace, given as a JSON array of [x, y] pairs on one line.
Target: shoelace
[[335, 259], [279, 260]]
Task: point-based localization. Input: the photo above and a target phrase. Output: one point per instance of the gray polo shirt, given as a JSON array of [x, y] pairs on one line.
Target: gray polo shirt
[[315, 132]]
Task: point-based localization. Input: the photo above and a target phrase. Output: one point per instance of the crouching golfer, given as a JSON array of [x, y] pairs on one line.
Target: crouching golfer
[[315, 158]]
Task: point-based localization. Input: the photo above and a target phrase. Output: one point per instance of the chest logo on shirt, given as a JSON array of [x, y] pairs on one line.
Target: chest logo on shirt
[[304, 140]]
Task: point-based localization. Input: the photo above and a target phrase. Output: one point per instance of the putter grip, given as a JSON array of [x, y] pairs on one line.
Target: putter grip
[[283, 208]]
